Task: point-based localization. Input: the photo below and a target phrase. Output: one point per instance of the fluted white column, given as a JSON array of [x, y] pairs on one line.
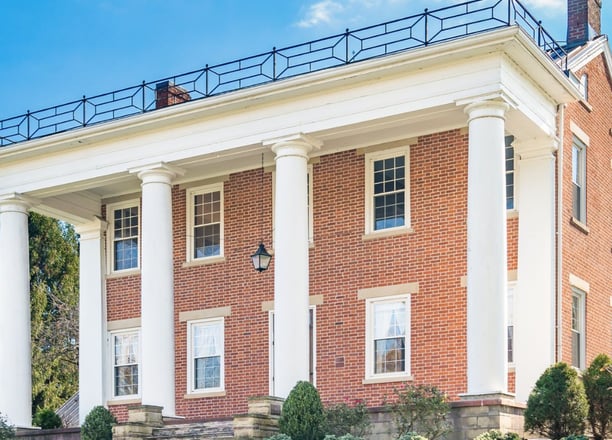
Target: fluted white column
[[486, 250], [157, 287], [15, 352], [291, 341], [92, 317], [534, 297]]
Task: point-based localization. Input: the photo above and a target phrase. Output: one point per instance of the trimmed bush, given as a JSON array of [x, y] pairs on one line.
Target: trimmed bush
[[342, 437], [98, 425], [411, 436], [279, 437], [47, 419], [7, 431], [494, 434], [420, 409], [302, 416], [341, 419], [557, 406], [597, 381]]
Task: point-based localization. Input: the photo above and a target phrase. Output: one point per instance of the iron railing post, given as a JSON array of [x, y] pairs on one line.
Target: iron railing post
[[84, 101], [143, 96], [206, 80], [540, 33], [509, 12], [426, 27], [28, 125], [346, 45], [274, 63]]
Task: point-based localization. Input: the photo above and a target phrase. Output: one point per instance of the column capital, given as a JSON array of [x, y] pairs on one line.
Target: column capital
[[159, 172], [486, 109], [540, 148], [14, 202], [298, 144], [93, 230]]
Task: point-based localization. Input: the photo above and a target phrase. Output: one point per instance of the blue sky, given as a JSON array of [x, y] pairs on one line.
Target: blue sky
[[54, 51]]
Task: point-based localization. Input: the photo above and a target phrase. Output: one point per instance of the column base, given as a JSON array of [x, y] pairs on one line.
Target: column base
[[478, 413]]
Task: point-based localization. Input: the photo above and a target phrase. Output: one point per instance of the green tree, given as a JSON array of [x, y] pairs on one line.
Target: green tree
[[54, 301], [557, 406], [598, 386], [302, 415]]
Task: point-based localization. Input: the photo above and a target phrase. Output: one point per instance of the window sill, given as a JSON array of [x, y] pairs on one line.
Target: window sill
[[387, 379], [123, 273], [579, 225], [511, 213], [135, 401], [204, 261], [386, 233], [204, 394]]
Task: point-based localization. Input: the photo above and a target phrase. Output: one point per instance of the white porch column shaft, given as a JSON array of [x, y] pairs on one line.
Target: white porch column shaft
[[486, 250], [291, 278], [157, 288], [534, 298], [92, 318], [15, 352]]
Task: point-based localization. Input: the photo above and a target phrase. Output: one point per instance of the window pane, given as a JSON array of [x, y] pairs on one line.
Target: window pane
[[125, 361], [207, 372], [126, 380], [206, 340], [389, 187], [389, 320], [389, 355], [125, 237]]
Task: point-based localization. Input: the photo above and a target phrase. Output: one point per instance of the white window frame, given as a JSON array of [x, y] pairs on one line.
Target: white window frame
[[370, 158], [111, 349], [508, 143], [312, 348], [580, 296], [308, 207], [191, 388], [110, 215], [581, 147], [510, 322], [369, 348], [191, 193]]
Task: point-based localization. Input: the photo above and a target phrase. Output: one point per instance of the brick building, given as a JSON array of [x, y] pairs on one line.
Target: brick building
[[438, 214]]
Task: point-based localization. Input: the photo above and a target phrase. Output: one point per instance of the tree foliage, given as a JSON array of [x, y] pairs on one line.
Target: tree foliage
[[47, 419], [421, 409], [557, 406], [7, 431], [98, 424], [54, 301], [302, 417], [598, 386]]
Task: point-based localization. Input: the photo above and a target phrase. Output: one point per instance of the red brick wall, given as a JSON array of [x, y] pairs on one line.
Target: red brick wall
[[588, 255], [341, 262]]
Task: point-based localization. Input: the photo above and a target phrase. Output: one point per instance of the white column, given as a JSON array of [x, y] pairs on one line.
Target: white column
[[93, 363], [15, 352], [534, 298], [291, 262], [486, 250], [157, 287]]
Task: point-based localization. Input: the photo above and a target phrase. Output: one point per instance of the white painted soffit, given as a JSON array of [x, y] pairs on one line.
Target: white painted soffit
[[511, 41]]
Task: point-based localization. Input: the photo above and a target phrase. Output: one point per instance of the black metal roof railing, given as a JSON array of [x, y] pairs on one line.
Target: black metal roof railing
[[411, 32]]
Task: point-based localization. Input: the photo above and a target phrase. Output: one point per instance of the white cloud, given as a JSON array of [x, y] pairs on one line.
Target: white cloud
[[348, 11]]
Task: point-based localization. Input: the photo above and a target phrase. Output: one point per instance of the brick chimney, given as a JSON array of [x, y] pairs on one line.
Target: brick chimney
[[583, 21], [166, 94]]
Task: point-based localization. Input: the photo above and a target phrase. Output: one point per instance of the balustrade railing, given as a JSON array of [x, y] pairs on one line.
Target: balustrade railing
[[429, 27]]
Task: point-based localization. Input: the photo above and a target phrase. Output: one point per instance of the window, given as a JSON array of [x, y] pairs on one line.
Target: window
[[578, 337], [206, 355], [312, 350], [579, 180], [388, 337], [387, 190], [125, 230], [205, 222], [510, 324], [126, 359], [510, 172]]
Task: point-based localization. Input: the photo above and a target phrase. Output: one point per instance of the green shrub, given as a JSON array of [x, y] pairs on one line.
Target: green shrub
[[342, 437], [7, 431], [302, 416], [47, 419], [420, 409], [341, 419], [597, 381], [98, 425], [494, 434], [575, 437], [411, 436], [279, 437], [557, 406]]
